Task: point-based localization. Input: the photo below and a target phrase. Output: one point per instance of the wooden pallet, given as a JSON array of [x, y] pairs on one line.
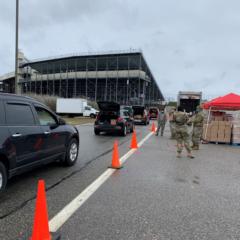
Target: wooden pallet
[[226, 143]]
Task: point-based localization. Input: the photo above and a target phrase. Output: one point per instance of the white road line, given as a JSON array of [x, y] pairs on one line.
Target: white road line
[[58, 220]]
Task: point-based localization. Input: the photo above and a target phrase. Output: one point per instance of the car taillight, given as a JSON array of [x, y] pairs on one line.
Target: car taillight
[[120, 119]]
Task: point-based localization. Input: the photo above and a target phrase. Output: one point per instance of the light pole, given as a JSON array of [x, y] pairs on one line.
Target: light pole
[[17, 90]]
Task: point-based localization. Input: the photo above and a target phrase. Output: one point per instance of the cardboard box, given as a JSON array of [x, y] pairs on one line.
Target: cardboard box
[[227, 140], [215, 123], [207, 128], [218, 118], [214, 134], [221, 123]]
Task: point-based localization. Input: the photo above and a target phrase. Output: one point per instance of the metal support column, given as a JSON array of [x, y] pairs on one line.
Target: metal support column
[[116, 92], [41, 80], [128, 82], [60, 81], [47, 81], [54, 78], [17, 88], [75, 80], [35, 83], [96, 75], [86, 93], [106, 83], [139, 82], [67, 82]]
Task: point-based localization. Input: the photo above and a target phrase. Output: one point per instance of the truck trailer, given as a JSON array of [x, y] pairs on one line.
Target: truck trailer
[[189, 100], [75, 106]]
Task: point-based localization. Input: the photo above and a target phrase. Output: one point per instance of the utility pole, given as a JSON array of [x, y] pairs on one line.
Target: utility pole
[[17, 89]]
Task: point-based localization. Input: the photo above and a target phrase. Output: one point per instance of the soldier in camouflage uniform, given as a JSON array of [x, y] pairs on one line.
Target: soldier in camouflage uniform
[[181, 120], [161, 120], [197, 121], [171, 123]]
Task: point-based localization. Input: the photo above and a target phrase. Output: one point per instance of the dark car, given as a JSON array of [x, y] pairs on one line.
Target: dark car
[[113, 120], [153, 112], [140, 115], [32, 135]]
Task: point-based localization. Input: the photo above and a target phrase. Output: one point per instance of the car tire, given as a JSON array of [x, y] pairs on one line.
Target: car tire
[[124, 131], [97, 132], [92, 115], [72, 152], [3, 177]]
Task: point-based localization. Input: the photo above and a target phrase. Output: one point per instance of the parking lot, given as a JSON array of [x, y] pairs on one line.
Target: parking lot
[[155, 195], [63, 184]]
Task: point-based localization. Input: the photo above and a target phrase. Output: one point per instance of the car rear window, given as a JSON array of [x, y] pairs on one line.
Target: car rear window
[[153, 110], [19, 114], [2, 114]]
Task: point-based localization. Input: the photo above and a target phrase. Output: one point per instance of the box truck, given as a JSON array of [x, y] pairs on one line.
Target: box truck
[[189, 100], [75, 106]]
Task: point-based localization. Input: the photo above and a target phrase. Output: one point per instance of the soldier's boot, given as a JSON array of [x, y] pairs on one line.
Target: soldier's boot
[[179, 150], [179, 155], [195, 147], [189, 155]]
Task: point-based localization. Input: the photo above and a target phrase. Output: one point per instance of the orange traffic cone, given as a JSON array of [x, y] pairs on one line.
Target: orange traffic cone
[[40, 225], [134, 144], [115, 157], [153, 129]]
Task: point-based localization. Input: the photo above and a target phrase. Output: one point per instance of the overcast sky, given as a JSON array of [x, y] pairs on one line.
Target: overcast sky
[[188, 44]]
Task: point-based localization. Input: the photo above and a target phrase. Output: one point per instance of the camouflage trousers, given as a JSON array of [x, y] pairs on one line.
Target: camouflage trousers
[[196, 135], [172, 129], [182, 137], [161, 125]]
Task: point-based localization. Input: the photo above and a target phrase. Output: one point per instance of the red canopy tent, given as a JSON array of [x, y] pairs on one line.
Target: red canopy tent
[[230, 102], [206, 105]]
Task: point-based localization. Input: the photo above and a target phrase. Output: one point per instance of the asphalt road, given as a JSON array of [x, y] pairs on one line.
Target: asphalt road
[[154, 197], [157, 196], [63, 184]]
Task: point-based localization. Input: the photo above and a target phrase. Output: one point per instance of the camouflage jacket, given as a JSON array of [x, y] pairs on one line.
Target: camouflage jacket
[[197, 119], [180, 118]]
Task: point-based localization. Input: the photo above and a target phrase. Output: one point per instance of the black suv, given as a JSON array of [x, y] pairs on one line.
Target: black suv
[[32, 135], [111, 119]]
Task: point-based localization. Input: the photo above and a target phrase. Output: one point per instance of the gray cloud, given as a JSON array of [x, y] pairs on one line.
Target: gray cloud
[[192, 45]]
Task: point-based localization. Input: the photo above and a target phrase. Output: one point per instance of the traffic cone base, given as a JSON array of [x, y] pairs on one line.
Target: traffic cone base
[[153, 129], [134, 144], [117, 168], [115, 157]]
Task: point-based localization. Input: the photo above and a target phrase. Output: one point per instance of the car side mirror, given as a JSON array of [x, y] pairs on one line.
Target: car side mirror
[[53, 125], [61, 121]]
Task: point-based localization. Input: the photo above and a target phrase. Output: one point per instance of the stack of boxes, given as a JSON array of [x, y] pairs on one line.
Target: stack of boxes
[[218, 130], [236, 129]]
